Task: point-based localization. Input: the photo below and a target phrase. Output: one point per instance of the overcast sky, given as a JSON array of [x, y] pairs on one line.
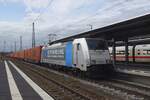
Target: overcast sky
[[62, 17]]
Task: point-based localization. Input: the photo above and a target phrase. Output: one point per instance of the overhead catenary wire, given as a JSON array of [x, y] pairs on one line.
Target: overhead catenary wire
[[119, 2], [33, 23], [41, 12], [116, 3]]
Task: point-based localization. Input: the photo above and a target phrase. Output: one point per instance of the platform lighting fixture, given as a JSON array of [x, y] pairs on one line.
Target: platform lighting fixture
[[91, 26]]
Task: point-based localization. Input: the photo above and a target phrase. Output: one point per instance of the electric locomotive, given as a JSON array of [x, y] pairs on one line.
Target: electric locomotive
[[90, 55]]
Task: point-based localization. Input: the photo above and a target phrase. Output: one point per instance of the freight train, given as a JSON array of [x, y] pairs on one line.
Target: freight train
[[142, 53], [88, 55]]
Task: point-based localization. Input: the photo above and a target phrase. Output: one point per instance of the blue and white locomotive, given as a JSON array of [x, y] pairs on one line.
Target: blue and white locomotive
[[83, 54]]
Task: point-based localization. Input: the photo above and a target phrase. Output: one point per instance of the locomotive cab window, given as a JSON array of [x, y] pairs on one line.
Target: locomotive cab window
[[78, 46], [96, 44]]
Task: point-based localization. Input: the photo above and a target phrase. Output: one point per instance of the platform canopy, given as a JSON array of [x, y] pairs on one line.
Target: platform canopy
[[132, 28]]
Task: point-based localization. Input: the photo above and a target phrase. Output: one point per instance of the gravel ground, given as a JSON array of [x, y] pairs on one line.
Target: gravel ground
[[58, 92]]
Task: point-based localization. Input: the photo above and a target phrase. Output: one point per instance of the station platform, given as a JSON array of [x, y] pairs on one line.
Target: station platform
[[136, 69], [16, 85]]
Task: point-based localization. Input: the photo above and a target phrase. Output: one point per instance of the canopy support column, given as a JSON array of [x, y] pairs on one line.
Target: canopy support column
[[133, 52], [114, 51], [126, 51]]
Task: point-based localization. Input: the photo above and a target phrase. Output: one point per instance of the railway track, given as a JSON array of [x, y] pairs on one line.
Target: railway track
[[121, 89], [138, 88], [70, 90], [126, 90], [130, 66], [60, 87], [143, 79]]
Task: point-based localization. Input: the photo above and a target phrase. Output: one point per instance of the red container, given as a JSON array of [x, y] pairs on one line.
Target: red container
[[25, 54], [21, 55], [31, 55], [35, 54]]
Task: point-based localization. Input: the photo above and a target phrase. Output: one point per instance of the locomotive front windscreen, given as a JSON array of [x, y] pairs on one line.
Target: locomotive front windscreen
[[96, 44]]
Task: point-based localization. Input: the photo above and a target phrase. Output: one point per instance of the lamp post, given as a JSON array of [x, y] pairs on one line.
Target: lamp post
[[91, 26]]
